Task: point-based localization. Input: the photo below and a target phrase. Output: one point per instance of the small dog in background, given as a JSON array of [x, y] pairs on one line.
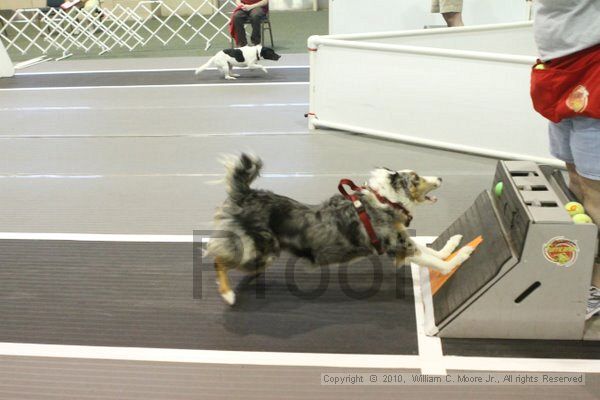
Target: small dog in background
[[247, 56], [253, 226]]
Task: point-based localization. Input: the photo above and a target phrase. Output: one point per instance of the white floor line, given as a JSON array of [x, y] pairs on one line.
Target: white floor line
[[98, 237], [430, 348], [177, 175], [145, 108], [155, 86], [211, 356], [50, 108], [113, 71], [458, 363], [295, 359], [159, 136]]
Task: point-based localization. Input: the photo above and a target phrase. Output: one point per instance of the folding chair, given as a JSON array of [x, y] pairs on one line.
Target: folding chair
[[264, 26]]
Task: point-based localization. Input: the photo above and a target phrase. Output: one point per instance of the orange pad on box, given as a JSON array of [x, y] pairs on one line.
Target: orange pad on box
[[437, 279]]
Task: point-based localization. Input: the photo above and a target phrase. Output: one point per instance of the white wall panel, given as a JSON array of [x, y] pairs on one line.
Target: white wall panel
[[461, 100], [352, 16], [6, 65]]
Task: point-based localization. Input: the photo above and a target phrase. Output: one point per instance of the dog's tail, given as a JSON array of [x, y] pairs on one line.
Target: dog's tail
[[241, 171], [204, 66]]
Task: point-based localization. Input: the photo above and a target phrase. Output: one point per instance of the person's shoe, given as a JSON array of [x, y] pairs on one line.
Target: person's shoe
[[593, 305]]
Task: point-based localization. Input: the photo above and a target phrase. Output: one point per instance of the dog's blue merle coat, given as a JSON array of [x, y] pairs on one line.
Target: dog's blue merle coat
[[254, 226]]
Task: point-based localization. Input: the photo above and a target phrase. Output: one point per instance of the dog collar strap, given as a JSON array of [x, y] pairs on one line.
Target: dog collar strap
[[362, 212], [397, 206]]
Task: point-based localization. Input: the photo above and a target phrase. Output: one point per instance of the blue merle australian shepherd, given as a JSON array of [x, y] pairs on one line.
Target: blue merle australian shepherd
[[253, 226]]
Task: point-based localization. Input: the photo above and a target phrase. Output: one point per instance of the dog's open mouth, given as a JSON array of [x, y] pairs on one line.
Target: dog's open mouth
[[426, 196], [428, 199]]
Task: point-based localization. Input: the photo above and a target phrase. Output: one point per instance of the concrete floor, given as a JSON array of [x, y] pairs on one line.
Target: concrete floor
[[141, 161], [66, 379]]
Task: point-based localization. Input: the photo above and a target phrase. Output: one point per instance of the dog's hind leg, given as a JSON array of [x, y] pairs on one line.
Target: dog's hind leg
[[224, 285], [204, 66], [225, 67]]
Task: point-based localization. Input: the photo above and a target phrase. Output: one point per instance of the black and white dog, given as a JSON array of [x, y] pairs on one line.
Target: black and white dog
[[253, 226], [247, 56]]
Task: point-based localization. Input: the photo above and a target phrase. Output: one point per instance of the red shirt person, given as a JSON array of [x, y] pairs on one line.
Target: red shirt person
[[254, 11]]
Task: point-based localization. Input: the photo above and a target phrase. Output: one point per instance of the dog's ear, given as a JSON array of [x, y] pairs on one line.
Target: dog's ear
[[399, 181], [415, 179]]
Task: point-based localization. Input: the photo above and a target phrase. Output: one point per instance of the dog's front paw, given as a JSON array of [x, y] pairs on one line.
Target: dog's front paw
[[229, 297], [230, 78], [454, 241], [264, 70], [235, 75], [445, 270], [463, 255], [197, 72], [450, 246]]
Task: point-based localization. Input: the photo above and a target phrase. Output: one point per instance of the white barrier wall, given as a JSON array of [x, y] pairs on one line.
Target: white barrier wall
[[474, 100], [50, 31], [515, 39], [6, 66], [298, 4], [355, 16]]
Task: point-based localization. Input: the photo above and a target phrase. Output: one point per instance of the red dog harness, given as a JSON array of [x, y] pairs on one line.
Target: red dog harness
[[362, 212], [568, 86]]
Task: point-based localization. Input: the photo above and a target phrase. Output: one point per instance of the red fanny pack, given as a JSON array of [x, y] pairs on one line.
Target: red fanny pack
[[568, 86]]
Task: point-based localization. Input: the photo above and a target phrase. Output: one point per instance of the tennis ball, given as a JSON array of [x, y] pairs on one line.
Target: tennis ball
[[498, 189], [540, 66], [574, 208], [582, 219]]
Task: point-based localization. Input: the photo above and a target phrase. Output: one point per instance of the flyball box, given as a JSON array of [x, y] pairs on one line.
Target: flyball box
[[530, 277]]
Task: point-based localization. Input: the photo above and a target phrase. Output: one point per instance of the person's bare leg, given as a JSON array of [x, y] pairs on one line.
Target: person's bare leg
[[591, 203], [453, 19], [575, 182]]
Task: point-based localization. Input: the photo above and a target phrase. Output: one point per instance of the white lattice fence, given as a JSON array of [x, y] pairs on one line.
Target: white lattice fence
[[102, 30]]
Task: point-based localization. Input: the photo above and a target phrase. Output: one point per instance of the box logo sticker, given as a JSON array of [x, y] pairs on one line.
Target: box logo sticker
[[561, 251]]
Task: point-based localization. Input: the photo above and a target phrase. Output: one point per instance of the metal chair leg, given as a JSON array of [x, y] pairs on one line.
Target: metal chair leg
[[266, 25], [271, 34], [262, 33]]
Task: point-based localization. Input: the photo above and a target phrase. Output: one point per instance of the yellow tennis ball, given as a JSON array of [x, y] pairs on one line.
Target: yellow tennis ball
[[540, 66], [574, 208], [582, 219]]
